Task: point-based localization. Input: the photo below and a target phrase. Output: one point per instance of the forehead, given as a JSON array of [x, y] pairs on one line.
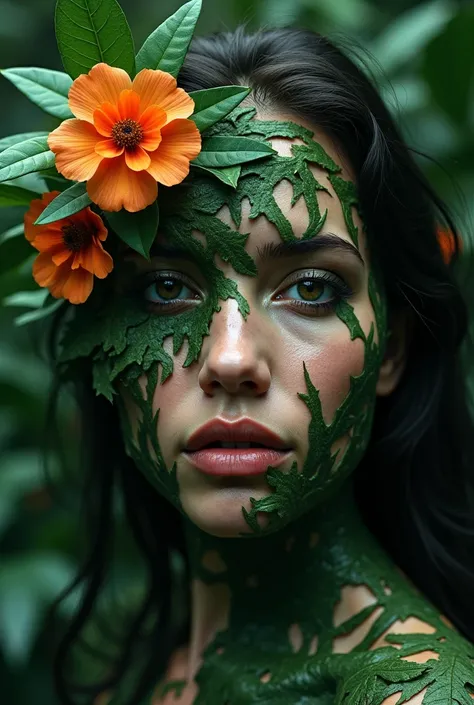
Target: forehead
[[260, 229]]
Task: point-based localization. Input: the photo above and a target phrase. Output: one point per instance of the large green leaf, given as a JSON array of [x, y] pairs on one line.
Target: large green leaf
[[47, 89], [228, 175], [449, 66], [11, 140], [11, 195], [137, 230], [69, 202], [167, 46], [228, 151], [25, 158], [90, 32], [212, 104]]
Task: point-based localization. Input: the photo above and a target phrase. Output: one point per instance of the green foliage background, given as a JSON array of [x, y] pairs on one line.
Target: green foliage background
[[424, 65]]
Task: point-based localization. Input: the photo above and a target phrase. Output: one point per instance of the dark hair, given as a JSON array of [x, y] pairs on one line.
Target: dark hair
[[415, 484]]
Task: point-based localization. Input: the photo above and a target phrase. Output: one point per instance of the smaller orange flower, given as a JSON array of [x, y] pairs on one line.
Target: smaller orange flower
[[71, 251], [447, 243]]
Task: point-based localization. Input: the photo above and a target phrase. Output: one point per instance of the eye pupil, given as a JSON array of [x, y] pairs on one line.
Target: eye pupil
[[314, 289], [168, 285]]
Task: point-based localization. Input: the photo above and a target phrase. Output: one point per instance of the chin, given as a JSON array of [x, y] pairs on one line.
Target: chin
[[218, 511]]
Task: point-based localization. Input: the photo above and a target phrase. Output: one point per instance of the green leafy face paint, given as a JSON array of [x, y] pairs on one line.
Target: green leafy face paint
[[127, 341]]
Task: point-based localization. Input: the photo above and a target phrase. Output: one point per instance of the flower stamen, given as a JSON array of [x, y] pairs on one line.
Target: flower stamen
[[127, 133], [76, 236]]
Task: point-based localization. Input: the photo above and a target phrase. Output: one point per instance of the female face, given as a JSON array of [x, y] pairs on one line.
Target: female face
[[305, 362]]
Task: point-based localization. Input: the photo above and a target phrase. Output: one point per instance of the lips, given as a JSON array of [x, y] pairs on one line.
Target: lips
[[208, 448], [216, 432]]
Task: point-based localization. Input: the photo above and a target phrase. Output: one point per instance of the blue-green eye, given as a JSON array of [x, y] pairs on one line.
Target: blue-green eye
[[316, 292]]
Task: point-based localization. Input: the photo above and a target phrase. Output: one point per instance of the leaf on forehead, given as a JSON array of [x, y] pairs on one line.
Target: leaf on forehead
[[212, 104], [346, 192], [228, 175], [228, 151]]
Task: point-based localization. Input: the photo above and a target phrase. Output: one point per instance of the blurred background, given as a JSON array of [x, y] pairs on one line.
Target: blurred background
[[423, 61]]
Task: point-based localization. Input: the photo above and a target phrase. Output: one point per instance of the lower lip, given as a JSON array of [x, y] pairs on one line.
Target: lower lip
[[236, 461]]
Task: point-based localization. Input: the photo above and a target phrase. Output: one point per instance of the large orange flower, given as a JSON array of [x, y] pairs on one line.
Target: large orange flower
[[71, 252], [127, 136]]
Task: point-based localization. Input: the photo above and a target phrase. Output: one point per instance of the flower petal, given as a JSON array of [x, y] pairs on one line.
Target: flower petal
[[153, 118], [94, 221], [48, 240], [108, 149], [103, 84], [78, 286], [37, 206], [61, 256], [105, 118], [44, 269], [157, 87], [137, 159], [129, 105], [170, 162], [115, 186], [96, 260], [151, 140], [73, 143]]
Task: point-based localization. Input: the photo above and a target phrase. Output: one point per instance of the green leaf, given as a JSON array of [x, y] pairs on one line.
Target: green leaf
[[15, 231], [11, 140], [16, 196], [452, 54], [31, 299], [228, 175], [14, 249], [167, 46], [212, 104], [69, 202], [38, 313], [25, 158], [228, 151], [90, 32], [137, 230], [47, 89]]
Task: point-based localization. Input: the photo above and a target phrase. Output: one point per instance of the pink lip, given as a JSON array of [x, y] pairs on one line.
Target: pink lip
[[216, 460], [244, 430], [236, 461]]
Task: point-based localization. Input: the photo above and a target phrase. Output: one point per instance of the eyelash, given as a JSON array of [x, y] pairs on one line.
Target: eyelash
[[340, 288]]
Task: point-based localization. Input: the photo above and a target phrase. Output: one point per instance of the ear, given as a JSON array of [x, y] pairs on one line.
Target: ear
[[396, 352]]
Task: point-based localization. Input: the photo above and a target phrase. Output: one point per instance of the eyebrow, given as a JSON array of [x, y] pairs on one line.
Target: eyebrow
[[271, 251]]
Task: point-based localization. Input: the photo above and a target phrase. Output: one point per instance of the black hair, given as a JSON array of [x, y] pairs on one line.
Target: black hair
[[415, 483]]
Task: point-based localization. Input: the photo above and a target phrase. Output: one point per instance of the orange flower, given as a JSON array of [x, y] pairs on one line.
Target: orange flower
[[447, 243], [127, 136], [71, 251]]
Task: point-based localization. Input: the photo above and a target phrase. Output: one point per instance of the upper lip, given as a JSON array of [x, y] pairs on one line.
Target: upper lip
[[242, 431]]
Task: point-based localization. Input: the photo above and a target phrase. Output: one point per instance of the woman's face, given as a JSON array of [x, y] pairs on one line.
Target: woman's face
[[313, 311]]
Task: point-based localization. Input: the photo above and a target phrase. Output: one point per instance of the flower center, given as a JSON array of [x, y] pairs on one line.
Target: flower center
[[77, 236], [127, 133]]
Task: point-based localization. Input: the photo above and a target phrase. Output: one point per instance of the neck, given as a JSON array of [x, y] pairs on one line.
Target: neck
[[281, 585]]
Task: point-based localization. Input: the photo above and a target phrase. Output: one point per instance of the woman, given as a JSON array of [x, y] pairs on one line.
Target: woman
[[311, 312]]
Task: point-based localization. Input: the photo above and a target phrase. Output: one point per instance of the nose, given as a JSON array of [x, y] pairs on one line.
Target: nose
[[235, 354]]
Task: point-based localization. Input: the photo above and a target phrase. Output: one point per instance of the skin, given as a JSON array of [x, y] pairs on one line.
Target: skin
[[307, 604]]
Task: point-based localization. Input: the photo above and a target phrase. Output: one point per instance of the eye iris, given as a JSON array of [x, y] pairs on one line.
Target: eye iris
[[315, 289], [168, 285]]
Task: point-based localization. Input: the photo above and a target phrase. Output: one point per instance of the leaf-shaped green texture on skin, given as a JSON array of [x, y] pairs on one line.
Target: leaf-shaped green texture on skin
[[361, 688], [166, 48], [46, 88], [11, 140], [91, 32], [229, 175], [11, 195], [227, 151], [137, 230], [26, 158], [212, 104], [69, 202]]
